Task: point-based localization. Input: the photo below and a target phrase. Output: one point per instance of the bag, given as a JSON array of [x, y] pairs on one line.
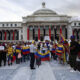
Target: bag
[[19, 56]]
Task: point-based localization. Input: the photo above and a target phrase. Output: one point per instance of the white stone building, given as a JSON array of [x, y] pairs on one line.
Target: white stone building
[[43, 22]]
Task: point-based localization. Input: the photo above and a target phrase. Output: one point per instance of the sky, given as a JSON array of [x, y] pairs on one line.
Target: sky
[[14, 10]]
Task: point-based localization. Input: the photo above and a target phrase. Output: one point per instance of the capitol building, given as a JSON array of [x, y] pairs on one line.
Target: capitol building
[[43, 22]]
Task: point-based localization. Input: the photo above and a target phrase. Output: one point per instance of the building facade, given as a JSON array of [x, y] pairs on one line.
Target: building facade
[[43, 22]]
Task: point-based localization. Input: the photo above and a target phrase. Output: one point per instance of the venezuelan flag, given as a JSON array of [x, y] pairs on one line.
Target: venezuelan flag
[[25, 50], [44, 57], [59, 50], [53, 50], [18, 49], [62, 39]]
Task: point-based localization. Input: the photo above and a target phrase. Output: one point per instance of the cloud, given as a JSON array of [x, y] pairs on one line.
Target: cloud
[[13, 10]]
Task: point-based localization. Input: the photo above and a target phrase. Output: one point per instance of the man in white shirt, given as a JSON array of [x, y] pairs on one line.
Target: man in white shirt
[[32, 56]]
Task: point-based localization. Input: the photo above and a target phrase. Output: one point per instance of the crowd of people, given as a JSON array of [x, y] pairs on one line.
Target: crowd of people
[[61, 51]]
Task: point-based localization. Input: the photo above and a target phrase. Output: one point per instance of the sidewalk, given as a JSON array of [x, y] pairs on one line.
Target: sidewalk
[[44, 72]]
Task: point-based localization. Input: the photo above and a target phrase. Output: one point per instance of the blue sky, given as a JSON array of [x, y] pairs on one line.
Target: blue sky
[[14, 10]]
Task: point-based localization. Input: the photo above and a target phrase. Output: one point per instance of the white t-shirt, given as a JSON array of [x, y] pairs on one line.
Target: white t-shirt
[[32, 48]]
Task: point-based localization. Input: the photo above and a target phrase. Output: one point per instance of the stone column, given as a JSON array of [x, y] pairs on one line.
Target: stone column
[[19, 34], [25, 32], [69, 31]]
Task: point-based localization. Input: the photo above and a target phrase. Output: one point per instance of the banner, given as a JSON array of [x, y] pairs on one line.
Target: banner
[[59, 50], [18, 49], [53, 50], [25, 50], [43, 56]]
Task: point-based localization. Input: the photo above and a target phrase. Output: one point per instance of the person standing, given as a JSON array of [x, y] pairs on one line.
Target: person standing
[[67, 50], [18, 53], [2, 49], [60, 52], [10, 54], [32, 56], [74, 48]]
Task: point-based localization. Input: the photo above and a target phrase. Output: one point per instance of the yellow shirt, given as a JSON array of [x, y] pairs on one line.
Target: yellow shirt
[[10, 51]]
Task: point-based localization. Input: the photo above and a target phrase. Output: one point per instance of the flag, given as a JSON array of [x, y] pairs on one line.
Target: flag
[[60, 30], [18, 49], [62, 39], [49, 33], [53, 50], [26, 50], [59, 50], [43, 56]]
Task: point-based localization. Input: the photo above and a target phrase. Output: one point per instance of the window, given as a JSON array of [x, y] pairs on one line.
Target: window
[[2, 25], [15, 24], [74, 24], [6, 24], [31, 28], [21, 37], [79, 24], [11, 25], [21, 31]]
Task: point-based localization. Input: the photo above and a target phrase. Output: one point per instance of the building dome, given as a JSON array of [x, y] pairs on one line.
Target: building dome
[[44, 11]]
